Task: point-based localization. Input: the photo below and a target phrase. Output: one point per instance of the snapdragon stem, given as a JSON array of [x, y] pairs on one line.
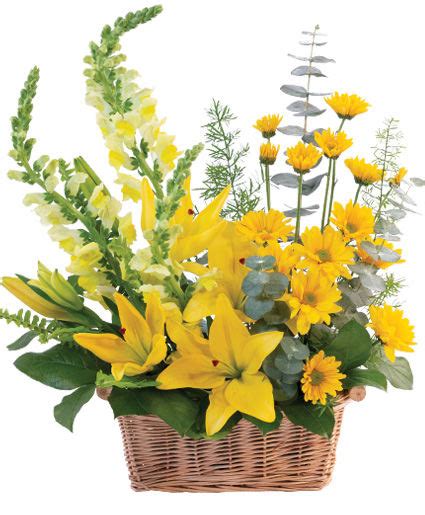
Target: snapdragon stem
[[325, 201], [357, 194], [299, 203]]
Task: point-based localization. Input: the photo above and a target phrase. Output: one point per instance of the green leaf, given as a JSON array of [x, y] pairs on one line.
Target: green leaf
[[398, 373], [266, 427], [260, 263], [22, 341], [257, 307], [173, 406], [312, 417], [352, 346], [106, 380], [365, 377], [61, 367], [66, 411]]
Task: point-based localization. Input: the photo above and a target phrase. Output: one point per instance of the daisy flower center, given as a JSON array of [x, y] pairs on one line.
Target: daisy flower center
[[323, 255], [351, 227], [310, 298], [316, 377]]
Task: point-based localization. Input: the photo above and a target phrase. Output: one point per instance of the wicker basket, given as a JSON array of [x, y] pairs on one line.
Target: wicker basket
[[287, 459]]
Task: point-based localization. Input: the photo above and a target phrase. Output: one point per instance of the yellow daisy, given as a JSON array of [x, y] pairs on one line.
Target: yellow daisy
[[364, 173], [286, 259], [261, 227], [268, 153], [303, 157], [321, 377], [347, 106], [354, 221], [398, 177], [268, 124], [326, 252], [312, 300], [394, 331], [332, 143], [365, 258]]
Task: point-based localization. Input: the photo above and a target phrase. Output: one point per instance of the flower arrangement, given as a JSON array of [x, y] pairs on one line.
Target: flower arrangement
[[227, 311]]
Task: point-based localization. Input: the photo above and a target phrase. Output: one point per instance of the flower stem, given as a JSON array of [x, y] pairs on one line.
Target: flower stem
[[267, 180], [300, 196], [357, 194], [333, 182], [341, 125], [325, 201]]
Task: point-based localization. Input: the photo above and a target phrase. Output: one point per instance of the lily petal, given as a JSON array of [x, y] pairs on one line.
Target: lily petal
[[119, 370], [190, 245], [137, 332], [188, 342], [228, 334], [252, 394], [108, 347], [202, 304], [257, 348], [219, 410], [157, 353], [155, 315], [194, 371]]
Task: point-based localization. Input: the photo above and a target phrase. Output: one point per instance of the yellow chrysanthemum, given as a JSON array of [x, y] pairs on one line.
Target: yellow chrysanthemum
[[354, 221], [364, 173], [286, 259], [268, 153], [394, 331], [268, 124], [321, 378], [347, 106], [326, 252], [312, 300], [365, 258], [260, 227], [332, 143], [398, 177], [303, 157]]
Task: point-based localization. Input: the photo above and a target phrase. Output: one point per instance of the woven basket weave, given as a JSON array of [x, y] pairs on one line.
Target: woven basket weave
[[289, 458]]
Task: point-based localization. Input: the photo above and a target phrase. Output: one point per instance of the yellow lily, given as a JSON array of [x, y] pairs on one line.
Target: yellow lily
[[142, 345], [28, 296], [226, 254], [229, 363], [196, 232]]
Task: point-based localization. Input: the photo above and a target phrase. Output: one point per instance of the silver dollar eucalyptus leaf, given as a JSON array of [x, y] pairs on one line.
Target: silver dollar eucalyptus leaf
[[305, 211], [291, 130], [308, 33], [293, 90], [396, 214], [298, 57], [417, 181], [288, 180], [320, 94], [300, 71], [404, 197], [321, 59], [308, 137], [312, 184], [310, 111], [380, 253], [309, 43]]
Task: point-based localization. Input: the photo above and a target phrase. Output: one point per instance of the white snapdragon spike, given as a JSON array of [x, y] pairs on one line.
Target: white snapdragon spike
[[68, 239], [150, 288], [104, 206], [34, 198], [141, 260], [127, 229], [74, 183], [51, 182], [131, 187], [51, 214], [16, 175]]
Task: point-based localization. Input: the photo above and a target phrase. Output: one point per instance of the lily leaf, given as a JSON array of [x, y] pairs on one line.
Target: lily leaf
[[364, 377], [398, 372], [266, 427], [314, 418], [352, 346], [66, 411]]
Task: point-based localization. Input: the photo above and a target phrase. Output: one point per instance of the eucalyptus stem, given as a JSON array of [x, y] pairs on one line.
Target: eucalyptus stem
[[267, 181], [333, 181], [300, 196], [357, 193], [325, 201]]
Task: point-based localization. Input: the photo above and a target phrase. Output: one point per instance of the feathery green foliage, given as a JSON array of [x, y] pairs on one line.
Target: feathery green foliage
[[226, 165]]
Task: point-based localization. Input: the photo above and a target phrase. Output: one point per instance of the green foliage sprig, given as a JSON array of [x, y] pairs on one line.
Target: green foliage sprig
[[226, 166]]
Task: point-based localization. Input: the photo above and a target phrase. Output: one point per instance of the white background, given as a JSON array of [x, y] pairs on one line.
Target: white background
[[235, 51]]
